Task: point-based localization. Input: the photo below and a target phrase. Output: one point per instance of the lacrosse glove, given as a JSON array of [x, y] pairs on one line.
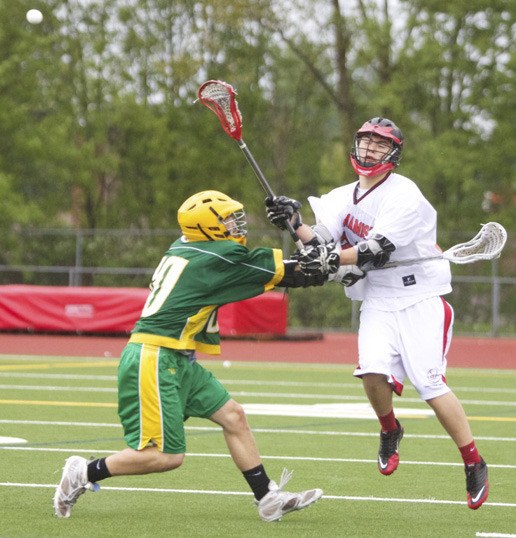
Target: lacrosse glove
[[347, 275], [319, 260], [280, 209], [374, 252]]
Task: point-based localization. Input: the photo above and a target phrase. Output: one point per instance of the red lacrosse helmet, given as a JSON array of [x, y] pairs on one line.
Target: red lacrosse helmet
[[386, 129]]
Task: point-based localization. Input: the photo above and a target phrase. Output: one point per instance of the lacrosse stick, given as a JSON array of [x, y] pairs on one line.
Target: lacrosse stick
[[486, 245], [219, 97]]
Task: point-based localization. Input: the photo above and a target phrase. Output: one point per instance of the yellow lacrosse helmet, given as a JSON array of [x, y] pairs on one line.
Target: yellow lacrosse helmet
[[212, 216]]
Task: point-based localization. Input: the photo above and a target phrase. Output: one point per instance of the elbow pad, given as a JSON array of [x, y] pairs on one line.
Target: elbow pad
[[374, 252], [322, 236]]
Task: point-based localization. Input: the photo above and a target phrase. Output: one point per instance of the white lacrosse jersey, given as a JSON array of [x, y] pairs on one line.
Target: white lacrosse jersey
[[396, 209]]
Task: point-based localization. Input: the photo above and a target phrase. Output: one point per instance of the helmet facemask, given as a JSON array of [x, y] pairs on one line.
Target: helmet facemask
[[373, 150], [236, 226], [377, 147]]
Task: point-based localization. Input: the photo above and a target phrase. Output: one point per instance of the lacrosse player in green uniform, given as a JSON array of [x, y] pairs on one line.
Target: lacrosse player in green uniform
[[160, 383]]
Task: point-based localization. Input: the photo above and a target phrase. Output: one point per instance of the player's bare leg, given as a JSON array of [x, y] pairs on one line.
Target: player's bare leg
[[79, 475], [238, 435], [148, 460], [451, 415], [273, 503], [379, 393]]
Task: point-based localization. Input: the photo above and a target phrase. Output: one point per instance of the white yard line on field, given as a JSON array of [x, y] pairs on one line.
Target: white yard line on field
[[89, 377], [249, 382], [256, 430], [247, 494], [301, 396], [225, 456], [495, 535], [58, 388]]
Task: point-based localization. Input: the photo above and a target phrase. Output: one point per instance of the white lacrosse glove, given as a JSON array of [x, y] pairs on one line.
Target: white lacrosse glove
[[347, 275], [319, 260]]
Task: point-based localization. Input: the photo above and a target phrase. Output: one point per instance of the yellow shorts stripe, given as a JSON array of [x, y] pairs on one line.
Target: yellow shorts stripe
[[151, 419]]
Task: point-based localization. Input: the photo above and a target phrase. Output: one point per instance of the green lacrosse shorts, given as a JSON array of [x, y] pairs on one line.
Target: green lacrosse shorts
[[158, 389]]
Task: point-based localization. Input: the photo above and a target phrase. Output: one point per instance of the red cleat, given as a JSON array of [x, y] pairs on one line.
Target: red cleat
[[388, 457], [477, 485]]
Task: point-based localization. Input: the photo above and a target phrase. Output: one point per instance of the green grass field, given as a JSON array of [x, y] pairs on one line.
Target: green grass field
[[65, 406]]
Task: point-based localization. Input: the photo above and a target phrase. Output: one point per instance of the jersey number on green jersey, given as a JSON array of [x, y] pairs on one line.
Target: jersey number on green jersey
[[164, 279]]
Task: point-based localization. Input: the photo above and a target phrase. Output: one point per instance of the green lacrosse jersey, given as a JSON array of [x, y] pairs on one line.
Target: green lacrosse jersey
[[192, 281]]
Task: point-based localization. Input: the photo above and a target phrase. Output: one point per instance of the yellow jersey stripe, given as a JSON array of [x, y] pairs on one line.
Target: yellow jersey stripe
[[280, 270], [195, 324]]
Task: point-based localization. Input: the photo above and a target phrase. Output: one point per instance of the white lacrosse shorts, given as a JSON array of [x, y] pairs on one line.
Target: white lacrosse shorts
[[411, 342]]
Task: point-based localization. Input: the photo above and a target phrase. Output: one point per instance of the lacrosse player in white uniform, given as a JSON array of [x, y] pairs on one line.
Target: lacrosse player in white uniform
[[405, 324]]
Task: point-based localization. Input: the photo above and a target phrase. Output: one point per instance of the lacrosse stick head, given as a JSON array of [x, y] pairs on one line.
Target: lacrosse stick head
[[220, 98], [486, 245]]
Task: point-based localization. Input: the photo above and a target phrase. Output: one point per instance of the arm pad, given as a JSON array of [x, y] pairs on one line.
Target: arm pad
[[322, 234], [294, 278]]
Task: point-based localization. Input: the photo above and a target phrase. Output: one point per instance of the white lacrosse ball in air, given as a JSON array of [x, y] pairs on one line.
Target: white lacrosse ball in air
[[34, 16], [226, 364]]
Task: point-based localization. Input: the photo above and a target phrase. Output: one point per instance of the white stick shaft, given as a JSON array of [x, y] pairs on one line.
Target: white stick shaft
[[412, 261]]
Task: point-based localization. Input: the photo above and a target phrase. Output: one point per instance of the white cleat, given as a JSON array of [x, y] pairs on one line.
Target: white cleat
[[277, 502], [74, 482]]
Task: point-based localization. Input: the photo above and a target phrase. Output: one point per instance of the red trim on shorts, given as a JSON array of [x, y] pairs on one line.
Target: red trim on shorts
[[397, 387], [448, 316]]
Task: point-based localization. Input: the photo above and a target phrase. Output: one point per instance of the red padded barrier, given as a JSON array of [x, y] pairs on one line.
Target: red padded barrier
[[115, 310], [265, 314]]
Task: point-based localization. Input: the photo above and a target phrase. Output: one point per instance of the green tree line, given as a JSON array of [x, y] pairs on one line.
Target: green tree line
[[99, 127]]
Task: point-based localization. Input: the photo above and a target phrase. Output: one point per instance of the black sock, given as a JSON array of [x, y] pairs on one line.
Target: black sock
[[258, 480], [97, 470]]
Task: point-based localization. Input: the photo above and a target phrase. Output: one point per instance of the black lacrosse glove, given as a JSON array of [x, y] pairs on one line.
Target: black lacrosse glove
[[281, 209], [374, 252], [376, 262], [319, 260], [347, 275]]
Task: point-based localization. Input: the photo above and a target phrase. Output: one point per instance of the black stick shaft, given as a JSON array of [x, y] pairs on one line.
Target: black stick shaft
[[257, 170], [267, 188]]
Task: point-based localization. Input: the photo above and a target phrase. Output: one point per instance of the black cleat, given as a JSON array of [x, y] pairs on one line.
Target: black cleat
[[388, 457], [477, 485]]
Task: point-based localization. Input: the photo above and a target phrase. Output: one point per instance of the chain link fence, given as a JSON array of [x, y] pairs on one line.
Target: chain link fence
[[484, 294]]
